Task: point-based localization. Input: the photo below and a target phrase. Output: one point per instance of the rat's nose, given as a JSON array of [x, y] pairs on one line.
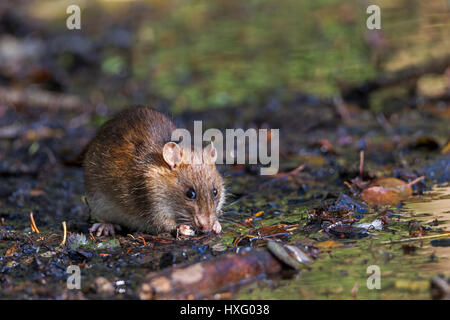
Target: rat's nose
[[203, 223]]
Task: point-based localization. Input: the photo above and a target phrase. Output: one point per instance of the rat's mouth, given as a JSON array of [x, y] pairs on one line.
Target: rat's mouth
[[191, 229]]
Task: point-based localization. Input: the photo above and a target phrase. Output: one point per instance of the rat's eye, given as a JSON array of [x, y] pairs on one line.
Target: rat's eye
[[191, 194], [214, 192]]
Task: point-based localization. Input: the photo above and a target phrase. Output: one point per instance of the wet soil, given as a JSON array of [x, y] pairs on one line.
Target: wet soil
[[40, 173]]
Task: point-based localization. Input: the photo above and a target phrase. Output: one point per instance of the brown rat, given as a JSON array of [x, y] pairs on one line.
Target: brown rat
[[136, 177]]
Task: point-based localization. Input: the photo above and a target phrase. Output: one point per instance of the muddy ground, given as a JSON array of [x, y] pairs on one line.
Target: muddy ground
[[41, 174]]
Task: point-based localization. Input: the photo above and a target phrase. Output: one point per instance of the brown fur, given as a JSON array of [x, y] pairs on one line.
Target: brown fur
[[129, 183]]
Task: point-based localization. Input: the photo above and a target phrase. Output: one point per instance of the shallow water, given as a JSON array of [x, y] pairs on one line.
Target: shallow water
[[341, 272], [437, 207]]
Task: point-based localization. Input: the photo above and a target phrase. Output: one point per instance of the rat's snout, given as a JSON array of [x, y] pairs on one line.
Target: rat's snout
[[204, 222]]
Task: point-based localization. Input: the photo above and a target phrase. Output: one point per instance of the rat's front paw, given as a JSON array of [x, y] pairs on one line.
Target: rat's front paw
[[103, 229], [217, 228]]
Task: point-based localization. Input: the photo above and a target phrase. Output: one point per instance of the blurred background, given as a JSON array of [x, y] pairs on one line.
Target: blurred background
[[196, 55]]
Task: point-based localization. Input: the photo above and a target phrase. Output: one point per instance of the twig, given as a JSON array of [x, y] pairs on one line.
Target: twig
[[340, 107], [33, 224], [354, 291], [436, 236], [63, 242], [361, 163], [143, 240], [415, 181], [290, 173]]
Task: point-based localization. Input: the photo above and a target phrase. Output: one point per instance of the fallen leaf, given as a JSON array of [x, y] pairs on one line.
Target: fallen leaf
[[408, 249], [327, 244], [412, 285], [446, 148], [345, 231], [250, 219], [290, 173], [381, 196], [326, 146], [388, 183], [12, 250], [388, 191]]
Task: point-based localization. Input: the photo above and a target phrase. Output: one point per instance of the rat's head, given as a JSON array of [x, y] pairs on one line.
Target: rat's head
[[198, 191]]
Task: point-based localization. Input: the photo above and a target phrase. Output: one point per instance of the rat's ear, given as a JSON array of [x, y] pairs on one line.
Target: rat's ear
[[172, 154], [210, 153]]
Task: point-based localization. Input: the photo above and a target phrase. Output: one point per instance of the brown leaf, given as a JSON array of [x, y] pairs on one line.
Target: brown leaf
[[388, 191], [446, 148], [327, 244], [381, 196], [12, 250], [388, 182]]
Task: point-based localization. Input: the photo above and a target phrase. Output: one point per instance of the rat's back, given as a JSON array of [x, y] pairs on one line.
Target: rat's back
[[116, 161]]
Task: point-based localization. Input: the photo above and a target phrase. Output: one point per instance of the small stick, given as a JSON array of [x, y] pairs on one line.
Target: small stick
[[63, 242], [290, 173], [340, 108], [436, 236], [286, 174], [33, 223], [354, 291], [143, 240], [415, 181], [361, 163]]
